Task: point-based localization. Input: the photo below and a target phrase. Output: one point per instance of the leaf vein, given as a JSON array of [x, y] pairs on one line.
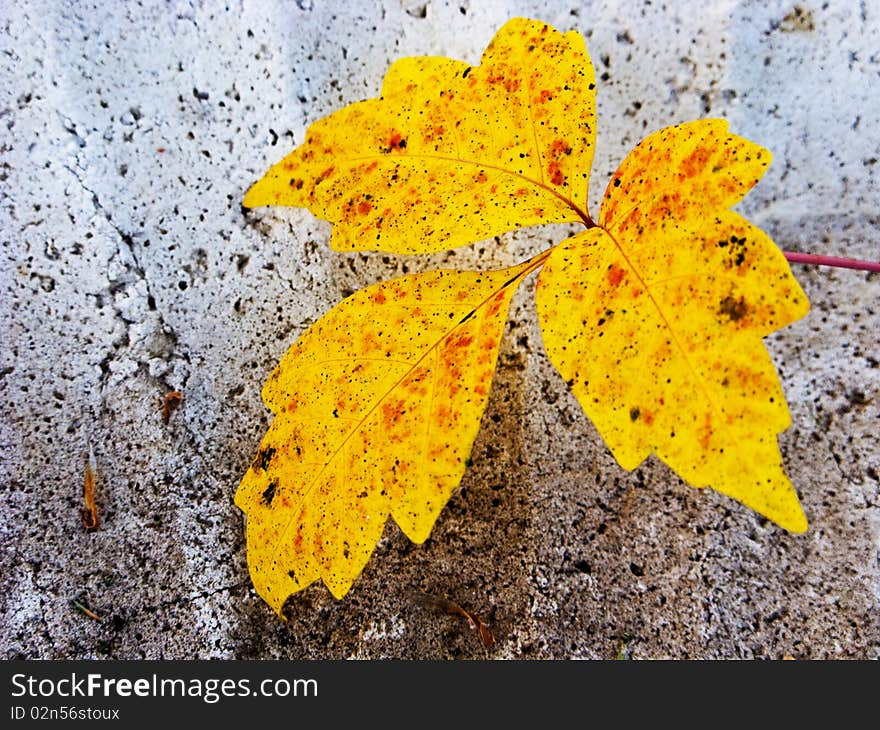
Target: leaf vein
[[662, 314], [476, 163]]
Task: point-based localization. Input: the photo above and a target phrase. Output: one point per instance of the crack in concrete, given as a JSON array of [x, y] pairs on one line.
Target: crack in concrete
[[70, 128], [173, 348], [45, 631], [186, 600], [176, 348]]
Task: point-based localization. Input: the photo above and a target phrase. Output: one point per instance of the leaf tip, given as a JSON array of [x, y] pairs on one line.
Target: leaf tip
[[253, 198], [779, 504], [338, 588], [795, 521]]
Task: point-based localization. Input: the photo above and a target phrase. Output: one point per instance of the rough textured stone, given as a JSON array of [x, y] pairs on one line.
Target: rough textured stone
[[128, 135]]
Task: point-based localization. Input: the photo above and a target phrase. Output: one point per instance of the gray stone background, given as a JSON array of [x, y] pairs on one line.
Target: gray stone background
[[128, 135]]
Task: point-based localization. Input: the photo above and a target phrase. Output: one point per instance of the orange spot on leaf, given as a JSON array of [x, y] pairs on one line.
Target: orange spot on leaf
[[461, 342], [695, 163], [559, 147], [395, 142], [393, 411], [615, 275]]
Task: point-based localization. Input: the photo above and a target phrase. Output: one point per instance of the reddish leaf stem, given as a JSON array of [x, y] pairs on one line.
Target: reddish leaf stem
[[841, 263], [793, 257]]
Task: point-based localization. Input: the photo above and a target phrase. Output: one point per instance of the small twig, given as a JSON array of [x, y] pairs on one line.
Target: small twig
[[428, 600], [170, 401], [837, 261], [84, 609], [89, 513]]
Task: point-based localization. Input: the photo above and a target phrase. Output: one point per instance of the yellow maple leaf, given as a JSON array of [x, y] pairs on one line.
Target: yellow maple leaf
[[655, 318], [451, 153], [376, 408]]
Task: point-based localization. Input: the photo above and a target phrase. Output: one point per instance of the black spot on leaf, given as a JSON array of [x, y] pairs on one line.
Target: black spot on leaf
[[735, 309], [269, 492], [264, 458]]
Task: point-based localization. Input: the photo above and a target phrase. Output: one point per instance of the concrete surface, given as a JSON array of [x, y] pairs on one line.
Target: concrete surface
[[128, 135]]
